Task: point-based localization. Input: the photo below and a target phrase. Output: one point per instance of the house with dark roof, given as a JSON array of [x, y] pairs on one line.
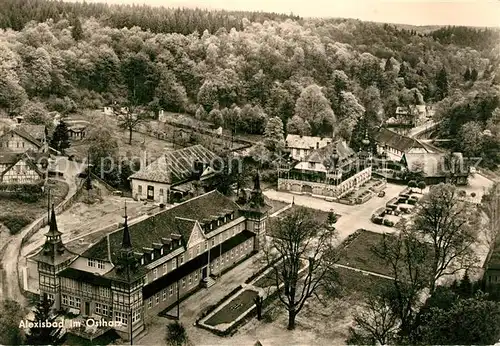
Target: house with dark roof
[[394, 145], [171, 175], [331, 171], [301, 146], [130, 275], [17, 139], [438, 167], [22, 168]]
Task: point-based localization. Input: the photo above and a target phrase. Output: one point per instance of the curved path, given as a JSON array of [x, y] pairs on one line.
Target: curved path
[[11, 286]]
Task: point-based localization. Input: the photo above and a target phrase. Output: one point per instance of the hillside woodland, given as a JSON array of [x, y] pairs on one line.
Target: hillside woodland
[[239, 69]]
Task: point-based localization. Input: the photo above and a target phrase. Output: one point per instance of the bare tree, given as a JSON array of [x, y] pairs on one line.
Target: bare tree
[[449, 224], [299, 240], [407, 256], [129, 121], [376, 321]]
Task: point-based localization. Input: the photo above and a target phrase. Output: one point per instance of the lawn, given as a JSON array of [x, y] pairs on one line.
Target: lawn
[[318, 215], [359, 284], [235, 308], [16, 214], [276, 205], [358, 253]]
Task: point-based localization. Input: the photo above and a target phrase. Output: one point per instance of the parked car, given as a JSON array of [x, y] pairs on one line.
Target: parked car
[[381, 194]]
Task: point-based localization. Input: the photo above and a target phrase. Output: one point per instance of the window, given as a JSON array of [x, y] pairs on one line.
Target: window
[[121, 317], [206, 245], [165, 268], [101, 309], [65, 299], [190, 279], [211, 226], [182, 259], [164, 294], [217, 262], [150, 303], [146, 279], [198, 249], [183, 283], [171, 290], [142, 261], [139, 189], [91, 263], [232, 253], [152, 255], [155, 274], [77, 303], [86, 288], [157, 298], [232, 216], [136, 316], [196, 276], [174, 264], [105, 292], [161, 192], [213, 241], [161, 252]]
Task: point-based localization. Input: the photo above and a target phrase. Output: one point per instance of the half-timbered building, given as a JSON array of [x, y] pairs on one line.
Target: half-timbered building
[[141, 269]]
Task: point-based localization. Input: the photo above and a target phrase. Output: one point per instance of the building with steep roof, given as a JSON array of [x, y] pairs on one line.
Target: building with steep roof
[[173, 173], [144, 268], [331, 171], [301, 146], [438, 168], [22, 168], [394, 145]]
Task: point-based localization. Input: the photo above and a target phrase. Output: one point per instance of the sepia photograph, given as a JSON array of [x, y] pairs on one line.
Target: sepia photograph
[[254, 173]]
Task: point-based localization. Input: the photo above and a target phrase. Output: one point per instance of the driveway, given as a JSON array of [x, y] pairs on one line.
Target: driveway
[[353, 217]]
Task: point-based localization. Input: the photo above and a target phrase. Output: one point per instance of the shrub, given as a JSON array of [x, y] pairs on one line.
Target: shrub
[[462, 193], [15, 223], [388, 223], [176, 334], [421, 185], [473, 194], [412, 184]]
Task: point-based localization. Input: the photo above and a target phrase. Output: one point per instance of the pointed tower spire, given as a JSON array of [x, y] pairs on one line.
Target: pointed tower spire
[[256, 182], [53, 231], [256, 196], [126, 242]]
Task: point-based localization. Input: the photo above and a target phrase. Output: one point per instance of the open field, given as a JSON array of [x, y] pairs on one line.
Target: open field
[[358, 253], [319, 215]]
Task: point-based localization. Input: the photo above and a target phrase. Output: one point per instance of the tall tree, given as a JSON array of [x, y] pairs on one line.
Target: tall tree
[[274, 138], [60, 137], [295, 237], [11, 312], [407, 256], [442, 84], [450, 224], [129, 121], [296, 126], [176, 334], [313, 106], [44, 335], [77, 29]]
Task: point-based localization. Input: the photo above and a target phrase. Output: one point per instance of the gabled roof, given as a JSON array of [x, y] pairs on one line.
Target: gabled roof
[[397, 141], [11, 160], [435, 164], [35, 131], [175, 166], [21, 132], [9, 157], [177, 220], [325, 154], [306, 142]]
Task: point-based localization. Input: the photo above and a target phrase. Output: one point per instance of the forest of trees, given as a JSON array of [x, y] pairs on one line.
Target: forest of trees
[[238, 69]]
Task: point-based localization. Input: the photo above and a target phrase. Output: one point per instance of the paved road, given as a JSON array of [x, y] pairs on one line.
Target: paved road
[[353, 217], [417, 131], [12, 252]]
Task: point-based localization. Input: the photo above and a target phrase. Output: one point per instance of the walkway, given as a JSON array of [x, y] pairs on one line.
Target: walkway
[[11, 260]]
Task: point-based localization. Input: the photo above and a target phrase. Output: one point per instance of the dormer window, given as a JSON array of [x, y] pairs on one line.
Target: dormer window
[[218, 222], [225, 219], [161, 252], [231, 216], [211, 226], [152, 256], [142, 261]]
